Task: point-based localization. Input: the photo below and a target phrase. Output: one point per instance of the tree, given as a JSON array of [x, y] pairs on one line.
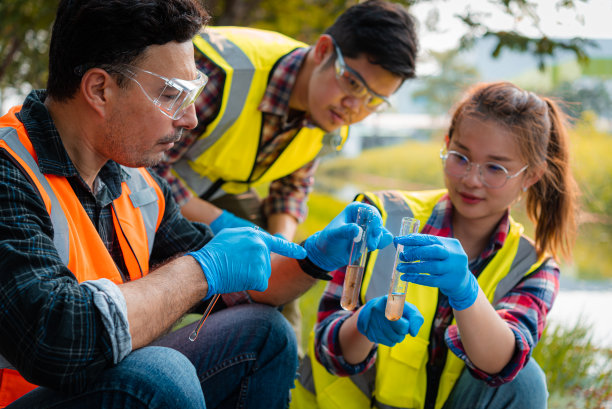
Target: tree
[[25, 25], [442, 90]]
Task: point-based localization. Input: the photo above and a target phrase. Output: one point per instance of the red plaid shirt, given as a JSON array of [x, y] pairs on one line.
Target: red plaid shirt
[[524, 309], [286, 195]]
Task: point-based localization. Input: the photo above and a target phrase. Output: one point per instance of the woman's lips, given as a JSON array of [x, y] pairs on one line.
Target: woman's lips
[[470, 199]]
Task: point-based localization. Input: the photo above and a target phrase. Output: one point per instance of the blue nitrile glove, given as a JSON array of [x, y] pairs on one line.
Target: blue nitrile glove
[[239, 259], [227, 220], [441, 263], [372, 322], [330, 248]]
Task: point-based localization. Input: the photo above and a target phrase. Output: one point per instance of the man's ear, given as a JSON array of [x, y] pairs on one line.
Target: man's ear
[[446, 140], [97, 89], [323, 48]]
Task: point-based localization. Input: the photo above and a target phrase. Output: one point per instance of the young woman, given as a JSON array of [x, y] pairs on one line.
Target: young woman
[[478, 286]]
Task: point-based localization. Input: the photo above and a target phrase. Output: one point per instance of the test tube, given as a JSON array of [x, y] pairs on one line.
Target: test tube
[[357, 259], [398, 287]]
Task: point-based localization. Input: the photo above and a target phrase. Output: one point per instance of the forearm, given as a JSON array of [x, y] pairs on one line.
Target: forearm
[[287, 282], [200, 210], [156, 301], [355, 346], [488, 341], [284, 224]]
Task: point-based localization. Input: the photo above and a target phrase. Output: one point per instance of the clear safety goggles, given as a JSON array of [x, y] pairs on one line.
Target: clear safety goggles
[[172, 96], [352, 83]]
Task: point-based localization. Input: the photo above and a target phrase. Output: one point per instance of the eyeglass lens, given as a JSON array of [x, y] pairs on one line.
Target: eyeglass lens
[[491, 174], [349, 82]]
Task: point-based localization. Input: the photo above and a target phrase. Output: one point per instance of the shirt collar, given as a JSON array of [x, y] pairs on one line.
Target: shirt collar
[[50, 151]]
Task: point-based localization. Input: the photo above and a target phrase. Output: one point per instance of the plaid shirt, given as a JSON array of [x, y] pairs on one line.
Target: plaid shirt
[[50, 329], [280, 125], [524, 309]]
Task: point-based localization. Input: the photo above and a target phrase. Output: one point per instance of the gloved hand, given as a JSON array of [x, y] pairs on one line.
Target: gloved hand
[[441, 263], [239, 259], [228, 220], [330, 248], [372, 322]]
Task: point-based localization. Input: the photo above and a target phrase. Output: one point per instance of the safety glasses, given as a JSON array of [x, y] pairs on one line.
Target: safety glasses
[[492, 175], [172, 96], [352, 83]]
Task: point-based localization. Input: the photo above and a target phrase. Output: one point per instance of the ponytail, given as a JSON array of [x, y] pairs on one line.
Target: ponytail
[[552, 201]]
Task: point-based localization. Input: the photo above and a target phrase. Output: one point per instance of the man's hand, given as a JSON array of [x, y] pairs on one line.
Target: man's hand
[[239, 259]]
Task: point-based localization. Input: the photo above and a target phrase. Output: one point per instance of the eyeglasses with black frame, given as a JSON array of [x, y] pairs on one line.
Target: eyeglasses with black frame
[[492, 175], [172, 96], [351, 82]]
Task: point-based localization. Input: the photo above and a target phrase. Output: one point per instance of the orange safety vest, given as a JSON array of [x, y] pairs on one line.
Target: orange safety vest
[[137, 215]]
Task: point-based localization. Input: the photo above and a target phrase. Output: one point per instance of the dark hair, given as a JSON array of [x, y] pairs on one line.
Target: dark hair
[[89, 33], [539, 128], [383, 31]]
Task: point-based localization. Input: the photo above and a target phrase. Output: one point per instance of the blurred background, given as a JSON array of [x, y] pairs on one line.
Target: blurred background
[[559, 48]]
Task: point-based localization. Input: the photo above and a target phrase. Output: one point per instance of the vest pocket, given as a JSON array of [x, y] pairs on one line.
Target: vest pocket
[[342, 394], [400, 373]]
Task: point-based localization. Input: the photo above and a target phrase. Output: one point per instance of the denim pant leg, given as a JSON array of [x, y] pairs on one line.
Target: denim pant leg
[[150, 377], [527, 390], [245, 357]]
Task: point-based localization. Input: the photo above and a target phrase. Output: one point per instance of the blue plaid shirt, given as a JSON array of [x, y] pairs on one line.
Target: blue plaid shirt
[[50, 328]]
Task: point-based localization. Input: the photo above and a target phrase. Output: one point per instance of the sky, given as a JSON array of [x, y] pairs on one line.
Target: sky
[[590, 19]]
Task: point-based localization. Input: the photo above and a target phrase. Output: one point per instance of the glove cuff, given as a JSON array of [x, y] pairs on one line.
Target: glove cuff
[[310, 268], [200, 258], [467, 297], [219, 223]]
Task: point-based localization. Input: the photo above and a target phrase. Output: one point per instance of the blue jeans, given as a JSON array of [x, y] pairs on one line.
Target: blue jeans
[[527, 390], [244, 357]]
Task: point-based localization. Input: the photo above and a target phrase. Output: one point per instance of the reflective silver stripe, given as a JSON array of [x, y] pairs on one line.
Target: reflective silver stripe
[[526, 256], [145, 198], [61, 235], [396, 208], [198, 183], [305, 375], [239, 89], [5, 364]]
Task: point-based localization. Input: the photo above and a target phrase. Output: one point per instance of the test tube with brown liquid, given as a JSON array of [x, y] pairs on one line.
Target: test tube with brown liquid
[[357, 259], [398, 287]]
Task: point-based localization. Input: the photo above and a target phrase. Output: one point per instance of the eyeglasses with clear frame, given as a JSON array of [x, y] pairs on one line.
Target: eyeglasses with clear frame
[[492, 175], [351, 82], [173, 97]]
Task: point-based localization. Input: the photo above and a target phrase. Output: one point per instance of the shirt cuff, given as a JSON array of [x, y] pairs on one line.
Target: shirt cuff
[[109, 301]]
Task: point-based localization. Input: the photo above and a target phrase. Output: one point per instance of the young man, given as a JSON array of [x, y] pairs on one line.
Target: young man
[[97, 261], [270, 101]]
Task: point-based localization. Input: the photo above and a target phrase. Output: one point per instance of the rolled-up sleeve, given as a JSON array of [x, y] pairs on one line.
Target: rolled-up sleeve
[[524, 309]]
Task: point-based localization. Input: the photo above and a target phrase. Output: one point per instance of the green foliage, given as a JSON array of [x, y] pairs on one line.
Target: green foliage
[[25, 29], [24, 41], [578, 374]]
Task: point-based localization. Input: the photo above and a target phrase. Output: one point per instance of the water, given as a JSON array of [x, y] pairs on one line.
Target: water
[[591, 307]]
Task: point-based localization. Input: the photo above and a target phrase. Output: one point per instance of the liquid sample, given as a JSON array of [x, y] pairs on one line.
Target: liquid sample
[[350, 290], [395, 306]]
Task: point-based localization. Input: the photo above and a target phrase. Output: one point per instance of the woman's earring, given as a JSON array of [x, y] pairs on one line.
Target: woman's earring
[[524, 189]]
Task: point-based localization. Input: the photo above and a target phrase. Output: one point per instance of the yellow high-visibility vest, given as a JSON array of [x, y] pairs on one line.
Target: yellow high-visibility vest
[[227, 151]]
